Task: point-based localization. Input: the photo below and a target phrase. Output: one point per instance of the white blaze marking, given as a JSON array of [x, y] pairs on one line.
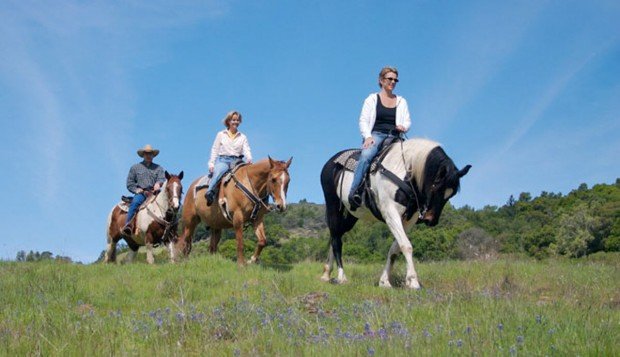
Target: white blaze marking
[[448, 193], [175, 197], [282, 194]]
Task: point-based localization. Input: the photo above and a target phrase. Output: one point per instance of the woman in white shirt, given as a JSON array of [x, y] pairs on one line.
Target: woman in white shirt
[[229, 146], [384, 114]]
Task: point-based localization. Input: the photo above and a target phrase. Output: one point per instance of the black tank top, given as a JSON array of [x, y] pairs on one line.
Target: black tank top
[[386, 118]]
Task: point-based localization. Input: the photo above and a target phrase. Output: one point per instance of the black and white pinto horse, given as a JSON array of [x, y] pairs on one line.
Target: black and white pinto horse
[[428, 179]]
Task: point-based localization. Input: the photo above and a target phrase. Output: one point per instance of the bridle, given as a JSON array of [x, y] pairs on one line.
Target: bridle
[[171, 224], [259, 202]]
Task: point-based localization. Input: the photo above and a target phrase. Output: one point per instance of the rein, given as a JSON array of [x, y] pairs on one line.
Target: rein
[[414, 185], [168, 225], [257, 201]]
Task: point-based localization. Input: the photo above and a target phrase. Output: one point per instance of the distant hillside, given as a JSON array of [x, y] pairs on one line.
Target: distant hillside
[[585, 221]]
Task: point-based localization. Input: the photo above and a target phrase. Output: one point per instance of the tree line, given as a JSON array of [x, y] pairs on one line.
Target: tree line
[[582, 222]]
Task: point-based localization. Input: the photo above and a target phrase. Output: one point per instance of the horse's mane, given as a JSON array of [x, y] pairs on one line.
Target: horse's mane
[[416, 152], [427, 158]]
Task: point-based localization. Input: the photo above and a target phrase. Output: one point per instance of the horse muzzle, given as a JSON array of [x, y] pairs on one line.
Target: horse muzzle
[[428, 218]]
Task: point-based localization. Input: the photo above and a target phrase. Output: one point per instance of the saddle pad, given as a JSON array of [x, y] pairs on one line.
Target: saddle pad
[[203, 182], [349, 159], [124, 206]]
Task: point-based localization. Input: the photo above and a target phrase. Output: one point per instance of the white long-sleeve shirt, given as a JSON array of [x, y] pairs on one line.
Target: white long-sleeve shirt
[[368, 116], [225, 145]]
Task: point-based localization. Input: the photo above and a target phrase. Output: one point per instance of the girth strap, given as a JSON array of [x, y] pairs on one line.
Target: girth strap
[[411, 191]]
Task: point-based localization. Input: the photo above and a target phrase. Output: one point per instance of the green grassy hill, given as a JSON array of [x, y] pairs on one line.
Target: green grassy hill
[[208, 306]]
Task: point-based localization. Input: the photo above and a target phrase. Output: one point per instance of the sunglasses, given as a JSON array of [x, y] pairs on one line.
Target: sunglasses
[[391, 79]]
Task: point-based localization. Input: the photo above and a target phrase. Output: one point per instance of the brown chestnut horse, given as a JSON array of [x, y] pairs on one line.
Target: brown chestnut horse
[[155, 222], [243, 196]]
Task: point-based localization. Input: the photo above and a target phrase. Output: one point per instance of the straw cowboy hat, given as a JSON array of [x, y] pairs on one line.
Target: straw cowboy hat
[[147, 148]]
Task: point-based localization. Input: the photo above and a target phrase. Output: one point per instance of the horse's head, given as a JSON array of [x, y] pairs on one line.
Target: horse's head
[[441, 182], [174, 190], [277, 182]]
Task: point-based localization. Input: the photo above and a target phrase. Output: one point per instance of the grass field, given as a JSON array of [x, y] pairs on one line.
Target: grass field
[[208, 306]]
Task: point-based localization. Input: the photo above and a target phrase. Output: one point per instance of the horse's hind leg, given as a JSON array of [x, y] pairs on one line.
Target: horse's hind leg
[[259, 231], [327, 268], [110, 253], [338, 224], [216, 234], [238, 226]]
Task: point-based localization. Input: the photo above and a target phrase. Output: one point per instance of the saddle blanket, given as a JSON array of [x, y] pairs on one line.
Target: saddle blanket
[[350, 158], [203, 182]]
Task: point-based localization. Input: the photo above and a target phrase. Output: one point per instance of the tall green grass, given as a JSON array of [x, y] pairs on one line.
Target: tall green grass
[[208, 306]]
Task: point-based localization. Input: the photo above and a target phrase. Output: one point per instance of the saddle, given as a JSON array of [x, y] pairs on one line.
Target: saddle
[[126, 202], [205, 181]]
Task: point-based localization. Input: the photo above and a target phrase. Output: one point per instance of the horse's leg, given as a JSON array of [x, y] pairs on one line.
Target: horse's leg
[[131, 255], [110, 254], [327, 268], [148, 242], [185, 241], [394, 222], [384, 281], [337, 249], [337, 221], [113, 234], [216, 234], [113, 238], [238, 226], [259, 231]]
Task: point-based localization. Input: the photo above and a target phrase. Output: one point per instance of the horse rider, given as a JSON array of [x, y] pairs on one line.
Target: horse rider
[[144, 178], [230, 145], [384, 114]]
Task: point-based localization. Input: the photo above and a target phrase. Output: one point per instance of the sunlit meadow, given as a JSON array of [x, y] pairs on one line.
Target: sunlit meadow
[[208, 306]]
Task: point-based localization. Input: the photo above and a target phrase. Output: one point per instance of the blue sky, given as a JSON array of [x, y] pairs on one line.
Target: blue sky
[[528, 92]]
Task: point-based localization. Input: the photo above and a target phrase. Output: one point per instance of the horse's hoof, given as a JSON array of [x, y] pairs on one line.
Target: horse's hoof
[[325, 278], [385, 284], [339, 281], [414, 285]]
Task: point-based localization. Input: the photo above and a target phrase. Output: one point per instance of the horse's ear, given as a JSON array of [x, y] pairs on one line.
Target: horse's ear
[[181, 175], [270, 162], [464, 170], [288, 163], [167, 175]]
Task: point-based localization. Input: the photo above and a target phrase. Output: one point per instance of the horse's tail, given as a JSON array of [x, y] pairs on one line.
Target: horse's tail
[[108, 226], [336, 217]]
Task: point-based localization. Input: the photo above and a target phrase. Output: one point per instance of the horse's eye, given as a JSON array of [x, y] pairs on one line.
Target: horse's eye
[[273, 180]]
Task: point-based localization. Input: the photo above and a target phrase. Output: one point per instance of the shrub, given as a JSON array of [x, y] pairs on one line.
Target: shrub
[[475, 244]]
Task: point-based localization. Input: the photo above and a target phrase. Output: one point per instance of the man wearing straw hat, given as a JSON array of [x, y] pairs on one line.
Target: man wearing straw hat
[[144, 178]]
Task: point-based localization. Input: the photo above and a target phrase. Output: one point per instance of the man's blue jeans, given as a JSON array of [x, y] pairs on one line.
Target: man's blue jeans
[[138, 199], [222, 164], [365, 158]]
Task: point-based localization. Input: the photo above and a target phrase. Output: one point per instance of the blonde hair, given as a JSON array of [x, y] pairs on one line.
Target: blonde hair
[[229, 116], [385, 70]]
